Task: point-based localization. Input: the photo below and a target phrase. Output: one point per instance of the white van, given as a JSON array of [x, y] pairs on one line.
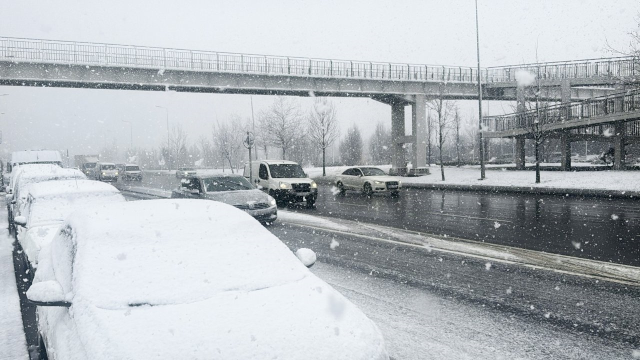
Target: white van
[[106, 171], [283, 180]]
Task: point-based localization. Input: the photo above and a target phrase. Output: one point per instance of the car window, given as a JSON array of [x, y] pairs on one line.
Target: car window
[[372, 172], [262, 173], [227, 183], [357, 172], [133, 168], [108, 167], [348, 172], [286, 171]]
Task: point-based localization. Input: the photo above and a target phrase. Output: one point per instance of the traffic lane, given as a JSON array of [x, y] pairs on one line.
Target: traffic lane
[[592, 228], [578, 305]]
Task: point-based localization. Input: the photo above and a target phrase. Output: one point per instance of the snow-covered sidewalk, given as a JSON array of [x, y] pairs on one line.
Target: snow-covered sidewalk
[[13, 344]]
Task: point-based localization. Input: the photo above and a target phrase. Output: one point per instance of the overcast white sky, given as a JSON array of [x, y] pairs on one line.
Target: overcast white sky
[[419, 31]]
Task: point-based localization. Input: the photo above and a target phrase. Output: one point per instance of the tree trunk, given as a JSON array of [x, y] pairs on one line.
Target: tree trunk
[[537, 162], [324, 173]]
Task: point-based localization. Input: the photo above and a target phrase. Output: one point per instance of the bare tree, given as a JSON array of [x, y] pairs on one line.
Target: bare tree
[[228, 139], [281, 124], [444, 111], [176, 153], [207, 151], [457, 124], [351, 147], [323, 127], [429, 137], [380, 145]]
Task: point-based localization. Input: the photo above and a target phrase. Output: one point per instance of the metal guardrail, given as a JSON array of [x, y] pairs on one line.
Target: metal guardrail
[[97, 54], [619, 103]]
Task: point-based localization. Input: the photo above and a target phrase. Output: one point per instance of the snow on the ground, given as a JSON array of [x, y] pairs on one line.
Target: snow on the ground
[[469, 175], [13, 344]]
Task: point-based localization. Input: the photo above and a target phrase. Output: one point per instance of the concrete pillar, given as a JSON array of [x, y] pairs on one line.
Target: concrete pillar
[[565, 150], [398, 167], [519, 153], [618, 145], [419, 132], [565, 140]]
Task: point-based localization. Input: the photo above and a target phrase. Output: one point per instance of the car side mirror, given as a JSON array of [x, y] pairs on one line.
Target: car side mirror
[[20, 220], [47, 293], [306, 256]]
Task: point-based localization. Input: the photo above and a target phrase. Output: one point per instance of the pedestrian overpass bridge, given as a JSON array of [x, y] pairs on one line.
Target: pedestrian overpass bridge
[[47, 63]]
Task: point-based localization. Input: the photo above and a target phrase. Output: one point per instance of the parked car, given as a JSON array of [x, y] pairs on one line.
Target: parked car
[[106, 172], [234, 190], [285, 181], [131, 172], [48, 203], [369, 180], [184, 172], [23, 175], [217, 282]]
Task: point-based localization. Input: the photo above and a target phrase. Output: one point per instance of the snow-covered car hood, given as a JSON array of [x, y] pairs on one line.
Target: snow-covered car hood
[[304, 319], [36, 238], [240, 197]]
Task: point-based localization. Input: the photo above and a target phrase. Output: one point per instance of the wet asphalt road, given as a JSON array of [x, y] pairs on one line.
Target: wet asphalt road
[[587, 227]]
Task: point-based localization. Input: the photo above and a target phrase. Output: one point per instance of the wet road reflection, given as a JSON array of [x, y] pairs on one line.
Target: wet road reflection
[[593, 228]]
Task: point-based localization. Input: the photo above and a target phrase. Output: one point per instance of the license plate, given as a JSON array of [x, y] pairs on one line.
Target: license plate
[[392, 186]]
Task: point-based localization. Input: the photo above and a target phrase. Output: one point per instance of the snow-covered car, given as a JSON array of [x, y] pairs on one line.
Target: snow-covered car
[[31, 174], [131, 172], [184, 172], [234, 190], [48, 203], [368, 180], [188, 279]]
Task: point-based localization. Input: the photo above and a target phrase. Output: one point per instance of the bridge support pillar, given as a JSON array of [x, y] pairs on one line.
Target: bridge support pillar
[[565, 152], [519, 153], [399, 165], [419, 124], [618, 145]]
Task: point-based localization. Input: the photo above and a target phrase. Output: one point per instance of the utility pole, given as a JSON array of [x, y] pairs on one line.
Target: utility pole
[[481, 141], [248, 143]]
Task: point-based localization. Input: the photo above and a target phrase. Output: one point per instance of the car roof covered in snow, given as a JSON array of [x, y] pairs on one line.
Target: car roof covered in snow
[[34, 156], [61, 187], [43, 172]]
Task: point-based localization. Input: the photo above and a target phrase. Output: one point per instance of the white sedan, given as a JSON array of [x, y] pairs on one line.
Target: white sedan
[[368, 180], [188, 279]]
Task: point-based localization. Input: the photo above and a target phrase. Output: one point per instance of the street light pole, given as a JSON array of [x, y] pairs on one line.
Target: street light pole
[[481, 142], [168, 141]]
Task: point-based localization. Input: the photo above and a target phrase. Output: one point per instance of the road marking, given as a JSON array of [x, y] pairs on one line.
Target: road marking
[[499, 260], [470, 217]]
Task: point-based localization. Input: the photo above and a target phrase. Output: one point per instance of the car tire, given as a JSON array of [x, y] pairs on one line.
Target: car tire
[[341, 188], [311, 202], [367, 190]]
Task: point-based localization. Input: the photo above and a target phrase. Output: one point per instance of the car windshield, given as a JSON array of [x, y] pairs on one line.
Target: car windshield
[[108, 167], [227, 183], [133, 168], [53, 209], [186, 169], [372, 171], [89, 165], [286, 171]]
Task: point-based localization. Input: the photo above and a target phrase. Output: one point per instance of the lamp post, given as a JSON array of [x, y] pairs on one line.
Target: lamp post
[[481, 142], [168, 141], [131, 130]]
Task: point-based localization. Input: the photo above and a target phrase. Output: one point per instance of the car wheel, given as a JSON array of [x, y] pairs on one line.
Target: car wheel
[[341, 188], [367, 189], [311, 202]]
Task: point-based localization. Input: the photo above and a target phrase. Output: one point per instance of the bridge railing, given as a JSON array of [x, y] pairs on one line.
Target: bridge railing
[[617, 67], [81, 53], [565, 113]]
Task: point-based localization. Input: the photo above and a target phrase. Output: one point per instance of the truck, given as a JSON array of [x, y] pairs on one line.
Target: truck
[[87, 164]]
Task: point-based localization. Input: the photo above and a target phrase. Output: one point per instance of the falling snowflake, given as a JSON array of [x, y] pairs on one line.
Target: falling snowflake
[[509, 291], [334, 244], [547, 315], [576, 245], [614, 217], [487, 266], [496, 224]]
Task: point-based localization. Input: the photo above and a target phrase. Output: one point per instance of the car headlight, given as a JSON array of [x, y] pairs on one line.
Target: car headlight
[[116, 173], [379, 182], [284, 185], [399, 183], [314, 185], [104, 173], [272, 201]]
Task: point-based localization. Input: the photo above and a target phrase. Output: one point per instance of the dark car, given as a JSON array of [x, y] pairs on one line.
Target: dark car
[[234, 190]]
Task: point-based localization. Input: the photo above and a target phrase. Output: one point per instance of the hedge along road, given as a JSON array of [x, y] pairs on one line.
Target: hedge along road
[[605, 229]]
